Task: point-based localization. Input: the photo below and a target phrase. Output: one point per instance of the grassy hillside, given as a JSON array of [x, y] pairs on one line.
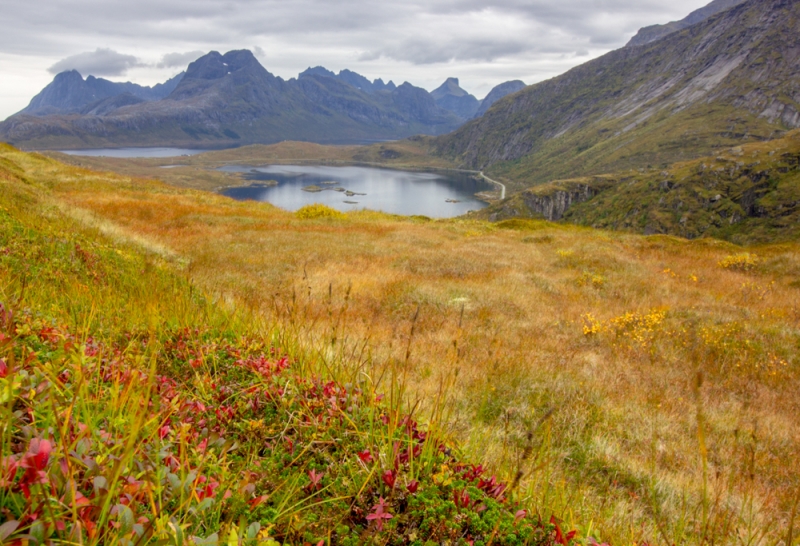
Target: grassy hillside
[[745, 194], [642, 389], [136, 410]]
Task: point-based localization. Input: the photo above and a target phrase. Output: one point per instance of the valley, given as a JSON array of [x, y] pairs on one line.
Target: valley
[[334, 310]]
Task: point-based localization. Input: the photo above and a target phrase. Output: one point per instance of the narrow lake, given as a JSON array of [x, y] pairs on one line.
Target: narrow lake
[[440, 195], [134, 152]]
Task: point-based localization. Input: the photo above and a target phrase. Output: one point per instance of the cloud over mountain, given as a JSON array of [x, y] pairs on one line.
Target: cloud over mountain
[[100, 62]]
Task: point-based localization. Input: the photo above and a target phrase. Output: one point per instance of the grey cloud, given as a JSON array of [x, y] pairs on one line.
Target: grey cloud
[[101, 62], [180, 60], [427, 52]]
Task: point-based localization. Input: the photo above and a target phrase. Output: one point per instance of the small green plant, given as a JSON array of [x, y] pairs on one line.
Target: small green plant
[[318, 210], [739, 262]]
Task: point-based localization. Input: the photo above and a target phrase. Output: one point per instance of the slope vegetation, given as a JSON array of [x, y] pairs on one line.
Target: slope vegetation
[[744, 194]]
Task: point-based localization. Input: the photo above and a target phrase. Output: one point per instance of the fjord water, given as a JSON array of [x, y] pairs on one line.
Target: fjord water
[[437, 195], [129, 153]]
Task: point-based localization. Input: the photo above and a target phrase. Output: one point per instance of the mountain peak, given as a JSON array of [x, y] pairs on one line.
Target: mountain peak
[[214, 66], [449, 87], [451, 97], [317, 71]]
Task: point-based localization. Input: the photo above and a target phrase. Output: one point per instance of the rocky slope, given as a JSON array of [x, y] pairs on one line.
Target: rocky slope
[[231, 99], [731, 78]]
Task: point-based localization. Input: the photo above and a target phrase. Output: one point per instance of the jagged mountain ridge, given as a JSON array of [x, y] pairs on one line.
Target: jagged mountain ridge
[[231, 99], [351, 78], [727, 79]]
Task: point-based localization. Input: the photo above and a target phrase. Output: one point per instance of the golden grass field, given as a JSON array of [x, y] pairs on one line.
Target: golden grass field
[[645, 388]]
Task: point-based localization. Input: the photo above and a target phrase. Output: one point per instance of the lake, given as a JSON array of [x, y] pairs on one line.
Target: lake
[[135, 152], [437, 195]]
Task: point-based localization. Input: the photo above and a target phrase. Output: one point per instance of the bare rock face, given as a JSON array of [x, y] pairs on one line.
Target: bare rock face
[[554, 205]]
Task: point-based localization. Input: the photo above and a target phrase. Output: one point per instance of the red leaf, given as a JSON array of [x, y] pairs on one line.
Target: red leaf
[[389, 478], [256, 501]]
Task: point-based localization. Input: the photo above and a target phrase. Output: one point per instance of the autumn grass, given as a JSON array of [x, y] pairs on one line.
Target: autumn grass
[[633, 386], [139, 409]]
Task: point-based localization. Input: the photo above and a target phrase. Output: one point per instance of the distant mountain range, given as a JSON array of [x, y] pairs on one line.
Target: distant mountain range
[[731, 78], [225, 100]]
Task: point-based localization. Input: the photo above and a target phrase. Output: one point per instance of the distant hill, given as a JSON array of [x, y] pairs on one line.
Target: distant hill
[[731, 78], [655, 32], [451, 97], [225, 100]]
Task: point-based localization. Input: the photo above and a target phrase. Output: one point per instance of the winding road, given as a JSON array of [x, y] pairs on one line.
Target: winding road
[[496, 183]]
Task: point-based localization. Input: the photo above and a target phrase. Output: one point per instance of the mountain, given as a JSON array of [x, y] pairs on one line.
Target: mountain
[[655, 32], [225, 100], [451, 97], [500, 91], [351, 78], [731, 78], [69, 93]]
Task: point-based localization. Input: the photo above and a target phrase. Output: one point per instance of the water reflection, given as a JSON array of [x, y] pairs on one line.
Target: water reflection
[[437, 195]]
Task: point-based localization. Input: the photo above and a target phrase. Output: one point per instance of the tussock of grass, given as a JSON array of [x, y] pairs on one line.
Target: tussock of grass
[[317, 210], [480, 332]]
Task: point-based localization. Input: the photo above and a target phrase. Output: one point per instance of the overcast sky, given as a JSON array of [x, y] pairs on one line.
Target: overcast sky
[[482, 43]]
